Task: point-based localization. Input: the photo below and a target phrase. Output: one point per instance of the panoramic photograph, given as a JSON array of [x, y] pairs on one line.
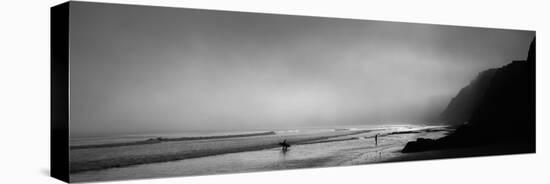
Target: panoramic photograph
[[167, 92]]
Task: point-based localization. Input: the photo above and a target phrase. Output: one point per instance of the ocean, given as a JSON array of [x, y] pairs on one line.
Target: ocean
[[312, 147]]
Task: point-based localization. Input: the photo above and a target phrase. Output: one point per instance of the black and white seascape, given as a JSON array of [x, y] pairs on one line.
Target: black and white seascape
[[157, 92]]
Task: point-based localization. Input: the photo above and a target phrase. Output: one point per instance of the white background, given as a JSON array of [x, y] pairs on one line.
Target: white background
[[24, 90]]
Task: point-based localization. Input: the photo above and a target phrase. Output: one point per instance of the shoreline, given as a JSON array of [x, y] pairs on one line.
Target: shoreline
[[93, 165], [167, 150], [330, 149]]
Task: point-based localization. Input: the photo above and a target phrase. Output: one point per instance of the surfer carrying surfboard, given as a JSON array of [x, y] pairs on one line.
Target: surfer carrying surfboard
[[284, 145]]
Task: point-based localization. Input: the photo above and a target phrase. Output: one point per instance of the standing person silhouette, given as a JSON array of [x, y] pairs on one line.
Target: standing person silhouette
[[376, 140]]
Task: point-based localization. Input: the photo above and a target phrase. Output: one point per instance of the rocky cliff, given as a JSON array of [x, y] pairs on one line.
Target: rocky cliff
[[498, 107], [462, 106]]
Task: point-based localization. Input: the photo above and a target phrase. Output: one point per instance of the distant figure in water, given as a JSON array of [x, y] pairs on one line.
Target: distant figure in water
[[376, 140], [284, 145]]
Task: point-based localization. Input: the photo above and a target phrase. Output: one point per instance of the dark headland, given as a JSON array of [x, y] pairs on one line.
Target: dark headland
[[495, 114]]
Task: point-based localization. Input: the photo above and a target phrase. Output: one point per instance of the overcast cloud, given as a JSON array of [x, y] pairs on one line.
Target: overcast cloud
[[141, 69]]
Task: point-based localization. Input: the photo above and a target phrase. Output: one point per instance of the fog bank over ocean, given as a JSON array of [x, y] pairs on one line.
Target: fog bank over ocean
[[148, 70]]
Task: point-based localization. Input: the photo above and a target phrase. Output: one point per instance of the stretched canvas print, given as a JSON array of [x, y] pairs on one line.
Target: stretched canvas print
[[143, 92]]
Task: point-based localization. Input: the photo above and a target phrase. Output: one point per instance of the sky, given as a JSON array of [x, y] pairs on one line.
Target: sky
[[138, 69]]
